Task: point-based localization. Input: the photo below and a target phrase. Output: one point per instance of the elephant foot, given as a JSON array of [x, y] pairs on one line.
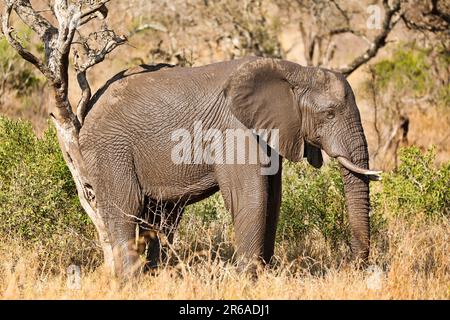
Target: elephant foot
[[127, 263], [251, 266], [360, 257], [153, 257]]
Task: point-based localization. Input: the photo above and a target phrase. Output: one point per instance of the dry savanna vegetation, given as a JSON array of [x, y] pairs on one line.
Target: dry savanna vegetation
[[399, 69]]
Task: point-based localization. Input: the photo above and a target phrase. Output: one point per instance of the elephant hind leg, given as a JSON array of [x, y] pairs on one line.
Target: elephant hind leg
[[120, 202], [162, 219]]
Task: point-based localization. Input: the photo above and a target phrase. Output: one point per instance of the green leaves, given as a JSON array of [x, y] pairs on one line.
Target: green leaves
[[313, 201], [415, 72], [38, 199], [417, 187], [408, 68]]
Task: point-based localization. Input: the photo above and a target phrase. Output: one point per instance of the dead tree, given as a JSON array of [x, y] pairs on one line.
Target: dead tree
[[59, 40]]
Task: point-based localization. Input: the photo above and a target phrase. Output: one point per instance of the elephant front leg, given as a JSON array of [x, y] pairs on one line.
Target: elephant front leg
[[249, 225], [273, 212], [245, 192]]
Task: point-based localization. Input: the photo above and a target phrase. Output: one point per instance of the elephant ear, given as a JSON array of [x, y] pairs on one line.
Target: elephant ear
[[314, 155], [261, 97]]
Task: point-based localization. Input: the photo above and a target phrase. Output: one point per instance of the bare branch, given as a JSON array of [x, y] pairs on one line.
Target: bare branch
[[98, 6], [68, 19], [93, 57], [25, 54], [97, 11], [341, 11], [31, 18], [437, 12], [86, 94], [43, 28], [97, 57], [379, 41]]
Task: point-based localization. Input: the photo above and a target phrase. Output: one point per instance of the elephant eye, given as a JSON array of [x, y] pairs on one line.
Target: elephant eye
[[330, 114]]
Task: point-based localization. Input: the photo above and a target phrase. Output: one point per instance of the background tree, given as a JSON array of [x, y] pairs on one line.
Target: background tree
[[321, 24]]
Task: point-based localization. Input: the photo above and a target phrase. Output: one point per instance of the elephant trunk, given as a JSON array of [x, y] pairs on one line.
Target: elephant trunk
[[356, 187]]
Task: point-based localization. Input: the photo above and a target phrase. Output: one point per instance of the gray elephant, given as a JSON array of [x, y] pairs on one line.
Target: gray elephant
[[128, 147]]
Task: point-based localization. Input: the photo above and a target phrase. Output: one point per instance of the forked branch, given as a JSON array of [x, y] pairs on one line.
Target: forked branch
[[379, 41], [58, 42], [43, 28], [434, 20], [99, 10], [93, 56], [322, 21], [15, 43]]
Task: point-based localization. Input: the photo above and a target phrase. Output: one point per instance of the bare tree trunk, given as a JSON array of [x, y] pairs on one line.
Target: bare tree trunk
[[57, 43]]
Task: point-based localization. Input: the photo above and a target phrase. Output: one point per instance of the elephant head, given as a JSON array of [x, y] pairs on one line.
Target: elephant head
[[313, 109]]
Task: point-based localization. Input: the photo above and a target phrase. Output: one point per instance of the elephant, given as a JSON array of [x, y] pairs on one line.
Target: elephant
[[127, 146]]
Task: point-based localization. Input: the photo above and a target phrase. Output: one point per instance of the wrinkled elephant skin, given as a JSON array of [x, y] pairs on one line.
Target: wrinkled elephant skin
[[128, 145]]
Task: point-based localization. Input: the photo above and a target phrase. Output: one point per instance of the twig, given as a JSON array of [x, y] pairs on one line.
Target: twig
[[100, 13]]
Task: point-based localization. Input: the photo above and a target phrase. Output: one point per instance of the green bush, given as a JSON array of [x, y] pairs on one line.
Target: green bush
[[312, 201], [39, 203], [413, 71], [408, 68], [417, 187], [208, 210]]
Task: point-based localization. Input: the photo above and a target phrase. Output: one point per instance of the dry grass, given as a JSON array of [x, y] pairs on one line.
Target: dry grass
[[413, 256], [411, 259]]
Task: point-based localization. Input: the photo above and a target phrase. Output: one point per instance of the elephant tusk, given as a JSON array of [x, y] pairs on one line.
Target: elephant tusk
[[373, 175]]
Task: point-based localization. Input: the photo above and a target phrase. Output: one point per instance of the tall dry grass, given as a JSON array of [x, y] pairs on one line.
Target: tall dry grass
[[408, 261]]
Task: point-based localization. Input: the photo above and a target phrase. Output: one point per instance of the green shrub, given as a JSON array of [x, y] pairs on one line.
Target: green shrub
[[208, 210], [417, 187], [312, 201], [414, 71], [408, 68], [39, 203]]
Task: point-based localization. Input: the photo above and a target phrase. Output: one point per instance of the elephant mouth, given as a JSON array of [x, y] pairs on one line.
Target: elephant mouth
[[372, 174]]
